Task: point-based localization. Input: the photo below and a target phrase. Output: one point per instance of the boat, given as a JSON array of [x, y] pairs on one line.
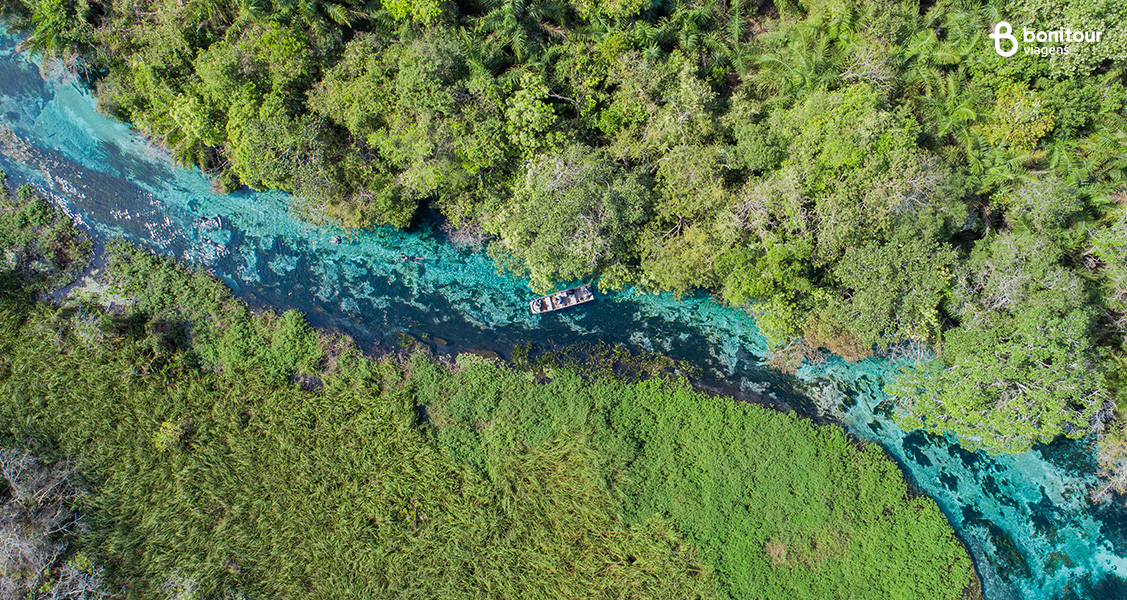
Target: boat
[[564, 299]]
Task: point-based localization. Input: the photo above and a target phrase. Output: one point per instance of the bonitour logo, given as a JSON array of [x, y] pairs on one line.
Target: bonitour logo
[[1006, 44], [1003, 31]]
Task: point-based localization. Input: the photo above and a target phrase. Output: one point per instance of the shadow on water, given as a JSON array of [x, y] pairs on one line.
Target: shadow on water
[[1025, 518]]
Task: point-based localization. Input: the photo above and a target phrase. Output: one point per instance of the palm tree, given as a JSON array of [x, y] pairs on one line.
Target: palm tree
[[1105, 151], [648, 37], [952, 110], [812, 58], [52, 29], [317, 14], [1063, 159], [521, 27], [689, 26], [925, 58], [252, 10], [209, 14], [999, 167]]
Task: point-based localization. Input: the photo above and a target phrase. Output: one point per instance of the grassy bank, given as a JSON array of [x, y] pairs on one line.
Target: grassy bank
[[231, 454]]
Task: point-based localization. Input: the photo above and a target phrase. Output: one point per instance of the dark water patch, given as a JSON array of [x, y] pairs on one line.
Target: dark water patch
[[971, 514], [990, 484], [1044, 515], [1113, 516], [1008, 561], [914, 444], [1110, 587], [1071, 455], [968, 458]]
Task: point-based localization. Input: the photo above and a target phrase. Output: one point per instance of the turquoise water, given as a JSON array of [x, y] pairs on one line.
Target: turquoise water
[[1025, 518]]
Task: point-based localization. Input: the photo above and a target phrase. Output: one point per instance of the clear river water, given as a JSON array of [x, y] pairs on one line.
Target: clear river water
[[1025, 518]]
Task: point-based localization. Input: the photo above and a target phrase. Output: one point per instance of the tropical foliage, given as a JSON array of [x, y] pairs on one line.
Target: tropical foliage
[[860, 174]]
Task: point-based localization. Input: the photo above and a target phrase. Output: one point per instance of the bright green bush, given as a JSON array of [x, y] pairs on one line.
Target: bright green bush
[[40, 248]]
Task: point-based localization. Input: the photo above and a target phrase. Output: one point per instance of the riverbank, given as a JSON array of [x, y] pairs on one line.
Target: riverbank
[[202, 425]]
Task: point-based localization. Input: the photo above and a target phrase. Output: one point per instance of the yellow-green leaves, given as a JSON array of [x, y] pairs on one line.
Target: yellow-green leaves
[[167, 436], [1020, 119], [610, 8], [425, 12]]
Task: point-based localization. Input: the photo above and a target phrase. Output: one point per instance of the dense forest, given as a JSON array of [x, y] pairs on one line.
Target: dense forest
[[160, 440], [861, 175]]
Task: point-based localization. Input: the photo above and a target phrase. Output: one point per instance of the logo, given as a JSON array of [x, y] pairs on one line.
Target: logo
[[1058, 40], [1004, 31]]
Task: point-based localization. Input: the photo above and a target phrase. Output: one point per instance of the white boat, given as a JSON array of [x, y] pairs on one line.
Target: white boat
[[564, 299]]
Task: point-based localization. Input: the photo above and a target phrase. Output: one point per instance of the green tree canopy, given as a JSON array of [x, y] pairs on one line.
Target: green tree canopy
[[574, 214], [1023, 367]]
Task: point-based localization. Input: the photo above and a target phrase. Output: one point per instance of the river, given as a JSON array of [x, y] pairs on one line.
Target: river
[[1025, 518]]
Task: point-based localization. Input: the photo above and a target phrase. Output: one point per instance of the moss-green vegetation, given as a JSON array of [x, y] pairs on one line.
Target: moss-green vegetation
[[232, 454], [860, 173], [235, 484], [759, 491]]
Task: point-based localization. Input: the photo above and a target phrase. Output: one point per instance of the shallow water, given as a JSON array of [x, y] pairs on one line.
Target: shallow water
[[1025, 518]]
